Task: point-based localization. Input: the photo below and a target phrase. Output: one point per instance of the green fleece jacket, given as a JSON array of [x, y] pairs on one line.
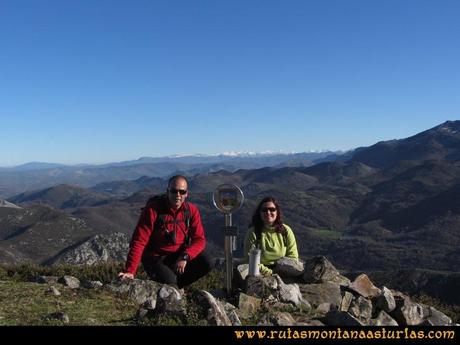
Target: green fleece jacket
[[272, 247]]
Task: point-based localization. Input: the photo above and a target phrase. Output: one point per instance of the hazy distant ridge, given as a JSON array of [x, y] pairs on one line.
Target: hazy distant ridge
[[37, 175]]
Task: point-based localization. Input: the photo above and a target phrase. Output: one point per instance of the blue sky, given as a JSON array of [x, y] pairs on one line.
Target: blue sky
[[92, 81]]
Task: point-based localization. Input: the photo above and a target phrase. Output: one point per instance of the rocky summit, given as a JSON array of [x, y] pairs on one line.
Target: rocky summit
[[317, 294]]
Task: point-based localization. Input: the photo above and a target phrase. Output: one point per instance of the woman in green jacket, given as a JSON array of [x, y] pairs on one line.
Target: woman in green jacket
[[268, 233]]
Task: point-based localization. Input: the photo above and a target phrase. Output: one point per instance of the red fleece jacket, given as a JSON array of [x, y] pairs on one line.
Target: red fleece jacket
[[151, 239]]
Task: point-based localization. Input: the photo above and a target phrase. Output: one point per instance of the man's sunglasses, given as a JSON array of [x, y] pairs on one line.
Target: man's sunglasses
[[174, 191], [271, 209]]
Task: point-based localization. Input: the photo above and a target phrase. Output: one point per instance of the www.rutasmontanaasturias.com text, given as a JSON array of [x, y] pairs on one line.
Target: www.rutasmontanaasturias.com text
[[338, 333]]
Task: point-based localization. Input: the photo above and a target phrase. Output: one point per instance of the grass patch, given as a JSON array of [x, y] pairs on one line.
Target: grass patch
[[212, 281], [325, 233], [25, 303]]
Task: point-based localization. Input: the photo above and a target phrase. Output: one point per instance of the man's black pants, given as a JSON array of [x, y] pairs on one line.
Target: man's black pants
[[163, 269]]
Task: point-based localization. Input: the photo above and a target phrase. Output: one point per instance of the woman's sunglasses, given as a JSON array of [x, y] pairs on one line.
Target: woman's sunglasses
[[271, 209]]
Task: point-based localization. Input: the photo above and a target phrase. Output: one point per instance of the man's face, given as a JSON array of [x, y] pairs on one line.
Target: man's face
[[177, 193]]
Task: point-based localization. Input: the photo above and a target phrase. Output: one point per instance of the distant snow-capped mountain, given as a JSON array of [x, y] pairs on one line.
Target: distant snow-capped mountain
[[249, 153]]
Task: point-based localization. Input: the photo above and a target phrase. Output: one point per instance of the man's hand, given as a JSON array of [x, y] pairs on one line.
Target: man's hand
[[125, 276], [180, 266]]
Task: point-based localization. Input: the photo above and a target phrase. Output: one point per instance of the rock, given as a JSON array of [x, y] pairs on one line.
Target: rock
[[325, 308], [217, 315], [282, 319], [248, 305], [408, 312], [273, 285], [99, 248], [346, 301], [70, 281], [436, 318], [290, 293], [260, 286], [150, 303], [46, 279], [91, 284], [363, 285], [385, 301], [170, 302], [338, 318], [383, 319], [53, 291], [316, 294], [277, 319], [288, 267], [241, 272], [320, 270], [230, 310], [61, 316], [311, 323], [137, 289], [361, 308]]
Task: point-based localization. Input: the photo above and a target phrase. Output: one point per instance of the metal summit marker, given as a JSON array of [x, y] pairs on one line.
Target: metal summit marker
[[228, 198]]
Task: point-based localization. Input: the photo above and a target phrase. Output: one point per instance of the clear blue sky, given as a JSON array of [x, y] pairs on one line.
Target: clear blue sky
[[90, 81]]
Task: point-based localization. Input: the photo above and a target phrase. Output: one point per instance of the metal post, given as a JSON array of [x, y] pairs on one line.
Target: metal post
[[228, 198], [228, 244]]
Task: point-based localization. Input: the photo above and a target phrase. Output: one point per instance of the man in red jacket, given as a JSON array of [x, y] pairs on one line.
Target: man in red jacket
[[169, 239]]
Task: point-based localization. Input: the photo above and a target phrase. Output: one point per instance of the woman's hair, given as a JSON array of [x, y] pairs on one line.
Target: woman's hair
[[258, 223]]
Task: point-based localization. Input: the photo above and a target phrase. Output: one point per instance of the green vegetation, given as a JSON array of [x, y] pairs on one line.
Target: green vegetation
[[214, 280], [25, 303], [325, 233]]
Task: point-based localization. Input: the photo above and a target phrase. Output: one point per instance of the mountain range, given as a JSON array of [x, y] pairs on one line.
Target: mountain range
[[391, 206], [38, 175]]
